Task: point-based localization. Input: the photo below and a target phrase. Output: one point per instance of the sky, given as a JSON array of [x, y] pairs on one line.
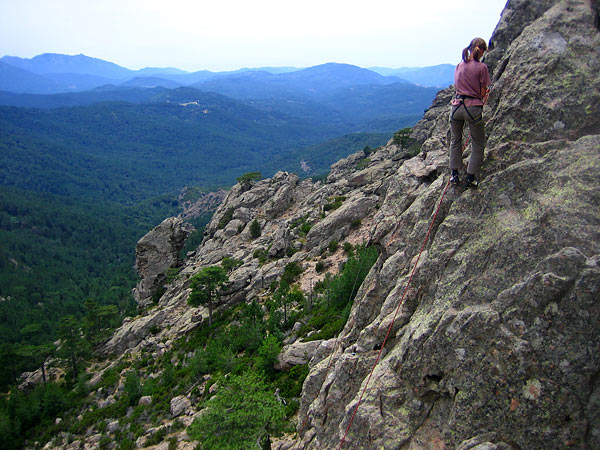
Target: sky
[[230, 34]]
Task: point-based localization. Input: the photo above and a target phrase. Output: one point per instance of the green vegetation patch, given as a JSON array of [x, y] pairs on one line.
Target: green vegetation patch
[[337, 293], [334, 203], [243, 411], [226, 218]]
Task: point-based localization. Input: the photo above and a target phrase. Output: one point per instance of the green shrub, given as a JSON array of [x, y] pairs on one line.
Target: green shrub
[[290, 383], [133, 388], [172, 274], [168, 376], [330, 316], [261, 254], [348, 248], [363, 163], [242, 411], [104, 442], [305, 228], [109, 378], [247, 179], [334, 203], [158, 294], [230, 264], [402, 138], [292, 406], [255, 229], [333, 246], [225, 219], [320, 267], [126, 444], [355, 224], [267, 354], [156, 438], [177, 425], [291, 272]]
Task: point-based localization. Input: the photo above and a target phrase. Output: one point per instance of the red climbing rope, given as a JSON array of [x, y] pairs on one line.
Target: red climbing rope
[[395, 314]]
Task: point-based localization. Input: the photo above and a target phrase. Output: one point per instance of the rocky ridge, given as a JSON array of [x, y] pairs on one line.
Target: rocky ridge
[[496, 344]]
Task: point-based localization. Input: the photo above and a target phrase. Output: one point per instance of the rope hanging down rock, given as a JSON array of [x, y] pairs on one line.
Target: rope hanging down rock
[[389, 330]]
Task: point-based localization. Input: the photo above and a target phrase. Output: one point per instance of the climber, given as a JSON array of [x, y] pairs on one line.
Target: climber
[[471, 82]]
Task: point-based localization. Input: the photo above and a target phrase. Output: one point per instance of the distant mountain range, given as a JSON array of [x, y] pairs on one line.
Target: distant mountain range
[[440, 76], [218, 125], [52, 73]]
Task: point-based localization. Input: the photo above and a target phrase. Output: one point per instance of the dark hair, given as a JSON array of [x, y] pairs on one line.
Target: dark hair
[[474, 50]]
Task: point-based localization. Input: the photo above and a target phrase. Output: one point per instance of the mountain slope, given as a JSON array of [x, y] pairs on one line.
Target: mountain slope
[[441, 75], [128, 152], [312, 82], [18, 80], [205, 143], [47, 63], [107, 93]]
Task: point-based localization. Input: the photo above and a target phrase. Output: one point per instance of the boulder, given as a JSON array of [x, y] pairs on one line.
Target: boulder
[[296, 354], [112, 427], [145, 400], [281, 241], [180, 405]]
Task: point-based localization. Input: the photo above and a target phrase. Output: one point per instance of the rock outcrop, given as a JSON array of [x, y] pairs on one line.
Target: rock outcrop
[[496, 342], [156, 252]]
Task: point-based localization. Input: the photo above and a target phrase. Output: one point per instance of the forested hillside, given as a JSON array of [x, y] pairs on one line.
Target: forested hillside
[[84, 175], [56, 253]]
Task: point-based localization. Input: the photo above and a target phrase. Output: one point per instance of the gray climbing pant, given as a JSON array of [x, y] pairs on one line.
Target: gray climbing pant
[[458, 117]]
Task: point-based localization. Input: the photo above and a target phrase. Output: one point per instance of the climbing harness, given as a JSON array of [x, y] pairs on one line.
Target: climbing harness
[[462, 99]]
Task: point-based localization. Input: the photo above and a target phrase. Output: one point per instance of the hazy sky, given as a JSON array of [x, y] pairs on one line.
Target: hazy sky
[[230, 34]]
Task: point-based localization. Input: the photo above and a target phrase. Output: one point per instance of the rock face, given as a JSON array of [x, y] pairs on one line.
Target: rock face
[[156, 252], [495, 345]]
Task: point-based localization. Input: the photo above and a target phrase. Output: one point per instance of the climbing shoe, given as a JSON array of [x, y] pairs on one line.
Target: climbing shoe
[[471, 182], [454, 179]]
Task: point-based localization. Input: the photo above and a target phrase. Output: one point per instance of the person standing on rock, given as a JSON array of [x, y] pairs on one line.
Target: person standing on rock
[[471, 81]]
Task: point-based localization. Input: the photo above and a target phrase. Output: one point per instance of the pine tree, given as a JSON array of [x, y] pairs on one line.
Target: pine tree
[[73, 346], [205, 285]]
